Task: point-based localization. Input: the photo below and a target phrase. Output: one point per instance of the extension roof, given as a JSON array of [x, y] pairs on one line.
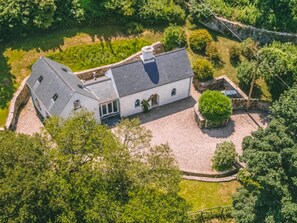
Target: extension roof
[[165, 68], [103, 88], [57, 79]]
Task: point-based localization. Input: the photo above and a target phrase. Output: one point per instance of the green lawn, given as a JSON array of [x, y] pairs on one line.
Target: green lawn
[[202, 195]]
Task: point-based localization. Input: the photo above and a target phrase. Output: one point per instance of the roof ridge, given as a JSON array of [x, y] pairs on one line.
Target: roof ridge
[[158, 55], [60, 76]]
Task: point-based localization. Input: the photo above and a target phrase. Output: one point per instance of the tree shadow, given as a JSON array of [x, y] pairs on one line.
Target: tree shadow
[[6, 81], [223, 132], [166, 110]]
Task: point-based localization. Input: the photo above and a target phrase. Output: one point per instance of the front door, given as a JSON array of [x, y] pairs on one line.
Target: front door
[[155, 100]]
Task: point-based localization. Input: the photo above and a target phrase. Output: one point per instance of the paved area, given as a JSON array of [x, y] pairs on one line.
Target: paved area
[[194, 148], [28, 121]]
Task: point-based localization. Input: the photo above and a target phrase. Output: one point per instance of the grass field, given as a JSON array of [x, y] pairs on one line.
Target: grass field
[[202, 195]]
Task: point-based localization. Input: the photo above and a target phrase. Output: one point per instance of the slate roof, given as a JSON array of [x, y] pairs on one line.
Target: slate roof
[[57, 79], [166, 68], [103, 89]]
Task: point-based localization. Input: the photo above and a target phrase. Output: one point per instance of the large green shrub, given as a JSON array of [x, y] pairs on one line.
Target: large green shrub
[[245, 73], [224, 157], [199, 40], [203, 70], [215, 106], [173, 37]]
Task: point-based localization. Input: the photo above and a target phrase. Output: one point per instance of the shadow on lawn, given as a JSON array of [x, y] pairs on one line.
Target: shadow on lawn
[[6, 81]]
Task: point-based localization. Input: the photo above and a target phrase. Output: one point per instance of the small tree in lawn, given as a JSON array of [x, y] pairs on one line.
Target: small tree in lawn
[[174, 37], [215, 106], [199, 40], [203, 70], [225, 156]]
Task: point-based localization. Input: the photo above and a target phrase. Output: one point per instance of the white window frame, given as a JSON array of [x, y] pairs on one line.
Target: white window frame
[[107, 110]]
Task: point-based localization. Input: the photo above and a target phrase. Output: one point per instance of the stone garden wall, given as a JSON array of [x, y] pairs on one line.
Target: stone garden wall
[[245, 31], [223, 82], [20, 98], [100, 71]]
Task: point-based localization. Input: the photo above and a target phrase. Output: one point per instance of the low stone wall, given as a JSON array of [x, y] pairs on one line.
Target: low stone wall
[[255, 104], [222, 174], [237, 103], [100, 71], [204, 123], [245, 31], [20, 98]]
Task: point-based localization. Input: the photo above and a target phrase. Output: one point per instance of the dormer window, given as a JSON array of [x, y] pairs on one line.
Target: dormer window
[[77, 104], [40, 79], [55, 97], [37, 82]]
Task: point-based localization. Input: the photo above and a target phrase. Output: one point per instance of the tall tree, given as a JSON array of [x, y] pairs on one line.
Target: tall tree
[[79, 171], [269, 185]]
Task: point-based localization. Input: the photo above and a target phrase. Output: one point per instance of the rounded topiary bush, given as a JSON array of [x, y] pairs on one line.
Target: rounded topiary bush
[[225, 156], [203, 70], [199, 40], [173, 37], [215, 107]]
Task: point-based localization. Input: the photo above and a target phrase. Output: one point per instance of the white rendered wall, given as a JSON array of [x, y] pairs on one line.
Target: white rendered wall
[[127, 104], [86, 102]]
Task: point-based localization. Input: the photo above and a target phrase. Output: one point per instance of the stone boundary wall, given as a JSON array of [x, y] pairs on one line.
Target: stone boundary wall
[[100, 71], [263, 36], [20, 98]]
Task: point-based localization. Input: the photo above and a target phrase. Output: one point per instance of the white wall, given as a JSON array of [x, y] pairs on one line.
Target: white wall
[[86, 102], [127, 104]]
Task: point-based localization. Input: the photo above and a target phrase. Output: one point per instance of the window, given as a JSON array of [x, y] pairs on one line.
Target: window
[[115, 106], [173, 92], [104, 110], [137, 103], [55, 97], [76, 104], [40, 79]]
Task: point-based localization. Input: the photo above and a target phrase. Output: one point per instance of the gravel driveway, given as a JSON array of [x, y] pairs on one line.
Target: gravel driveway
[[28, 121], [193, 148]]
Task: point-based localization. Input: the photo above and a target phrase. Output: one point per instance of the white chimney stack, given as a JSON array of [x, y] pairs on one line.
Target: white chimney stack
[[147, 54]]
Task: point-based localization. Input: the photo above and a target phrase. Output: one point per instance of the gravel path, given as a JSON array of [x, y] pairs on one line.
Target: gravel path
[[194, 148], [28, 121]]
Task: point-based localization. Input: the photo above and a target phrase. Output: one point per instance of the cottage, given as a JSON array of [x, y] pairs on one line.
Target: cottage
[[159, 79]]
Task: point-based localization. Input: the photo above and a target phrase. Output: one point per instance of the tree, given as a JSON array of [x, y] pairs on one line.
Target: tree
[[215, 106], [203, 70], [212, 52], [249, 48], [245, 73], [224, 157], [275, 66], [199, 40], [268, 192], [174, 37], [83, 173]]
